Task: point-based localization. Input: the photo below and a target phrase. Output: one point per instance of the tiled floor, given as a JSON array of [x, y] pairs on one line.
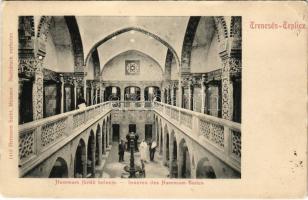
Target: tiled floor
[[114, 169]]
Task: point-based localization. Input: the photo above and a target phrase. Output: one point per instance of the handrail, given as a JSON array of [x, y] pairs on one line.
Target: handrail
[[42, 121], [220, 136], [217, 120]]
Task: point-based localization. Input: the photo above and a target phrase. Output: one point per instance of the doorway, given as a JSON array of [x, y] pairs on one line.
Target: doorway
[[132, 128], [148, 132], [25, 103], [115, 132]]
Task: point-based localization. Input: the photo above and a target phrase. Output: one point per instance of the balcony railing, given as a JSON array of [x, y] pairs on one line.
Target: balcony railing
[[36, 137], [131, 105], [39, 139], [221, 137]]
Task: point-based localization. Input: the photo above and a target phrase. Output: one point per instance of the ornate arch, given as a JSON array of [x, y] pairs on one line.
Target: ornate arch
[[221, 28], [236, 34], [135, 29], [76, 41], [26, 34], [205, 169], [42, 36], [59, 164], [188, 41], [134, 50], [168, 64]]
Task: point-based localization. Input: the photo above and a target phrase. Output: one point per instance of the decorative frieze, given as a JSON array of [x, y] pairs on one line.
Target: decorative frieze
[[42, 34], [28, 66], [50, 75], [235, 67], [196, 80]]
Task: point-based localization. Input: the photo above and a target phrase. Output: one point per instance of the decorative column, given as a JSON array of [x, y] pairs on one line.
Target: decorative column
[[62, 93], [37, 93], [190, 94], [93, 144], [96, 94], [92, 93], [170, 155], [122, 94], [203, 94], [102, 94], [84, 159], [75, 92], [168, 93], [107, 135], [110, 133], [175, 95], [85, 84], [227, 89], [171, 93], [142, 94], [162, 95], [179, 95], [100, 149]]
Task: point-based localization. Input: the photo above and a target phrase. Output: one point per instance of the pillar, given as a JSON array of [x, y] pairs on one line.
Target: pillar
[[75, 92], [84, 164], [122, 94], [162, 95], [62, 93], [102, 94], [170, 154], [104, 140], [179, 160], [190, 94], [100, 148], [142, 94], [171, 94], [93, 156], [37, 93], [179, 95], [85, 84], [96, 95], [92, 94], [203, 94], [107, 135], [168, 92], [164, 147], [110, 136], [227, 90]]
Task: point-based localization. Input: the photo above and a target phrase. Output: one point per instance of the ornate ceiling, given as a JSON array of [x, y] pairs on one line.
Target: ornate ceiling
[[169, 29]]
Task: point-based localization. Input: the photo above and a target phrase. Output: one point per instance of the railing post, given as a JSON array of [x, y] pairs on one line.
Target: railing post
[[69, 125], [38, 141], [227, 141], [195, 125]]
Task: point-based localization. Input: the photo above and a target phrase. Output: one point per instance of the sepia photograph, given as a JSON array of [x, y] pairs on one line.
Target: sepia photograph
[[153, 99], [129, 97]]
